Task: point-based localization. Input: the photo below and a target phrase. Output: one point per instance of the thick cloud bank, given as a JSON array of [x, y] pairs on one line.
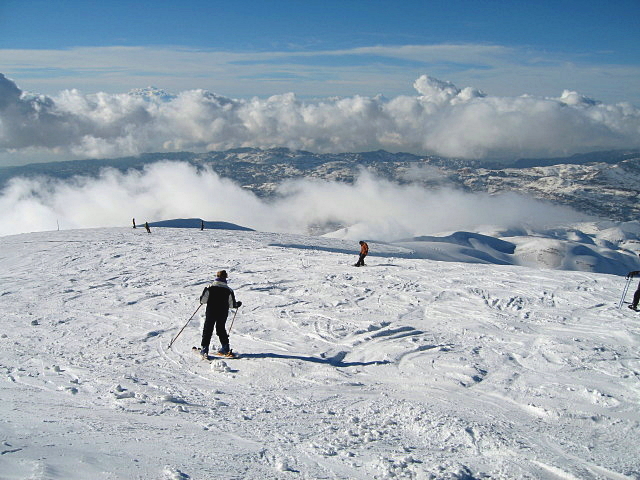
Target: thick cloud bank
[[440, 119], [371, 208]]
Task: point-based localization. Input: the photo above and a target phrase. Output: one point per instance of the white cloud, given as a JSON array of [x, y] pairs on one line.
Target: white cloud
[[373, 208], [441, 119]]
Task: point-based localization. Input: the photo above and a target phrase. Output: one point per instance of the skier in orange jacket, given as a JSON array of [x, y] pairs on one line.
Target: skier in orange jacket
[[364, 251]]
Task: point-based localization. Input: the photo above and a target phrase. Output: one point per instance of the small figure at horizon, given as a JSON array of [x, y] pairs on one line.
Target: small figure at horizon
[[201, 225], [146, 225], [134, 222], [364, 251]]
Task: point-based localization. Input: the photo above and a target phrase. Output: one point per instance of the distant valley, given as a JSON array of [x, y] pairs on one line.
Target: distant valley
[[604, 184]]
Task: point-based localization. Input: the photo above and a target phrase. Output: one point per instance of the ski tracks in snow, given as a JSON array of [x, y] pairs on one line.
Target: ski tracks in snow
[[406, 369]]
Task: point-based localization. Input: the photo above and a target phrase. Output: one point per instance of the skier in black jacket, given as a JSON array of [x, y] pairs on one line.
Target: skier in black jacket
[[636, 296], [219, 298]]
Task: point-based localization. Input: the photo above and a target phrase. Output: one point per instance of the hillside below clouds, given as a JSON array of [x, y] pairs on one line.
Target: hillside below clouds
[[602, 184]]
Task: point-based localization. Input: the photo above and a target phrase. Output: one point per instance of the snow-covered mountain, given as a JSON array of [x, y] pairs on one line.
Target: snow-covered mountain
[[152, 94], [406, 368], [604, 184]]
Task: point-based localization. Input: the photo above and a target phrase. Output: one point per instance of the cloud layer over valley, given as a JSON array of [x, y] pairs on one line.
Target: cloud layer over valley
[[441, 118], [371, 207]]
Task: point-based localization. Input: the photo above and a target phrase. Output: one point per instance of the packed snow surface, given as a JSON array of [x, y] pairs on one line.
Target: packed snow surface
[[406, 368]]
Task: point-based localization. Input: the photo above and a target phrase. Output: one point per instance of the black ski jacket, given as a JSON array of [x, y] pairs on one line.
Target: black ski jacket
[[221, 299]]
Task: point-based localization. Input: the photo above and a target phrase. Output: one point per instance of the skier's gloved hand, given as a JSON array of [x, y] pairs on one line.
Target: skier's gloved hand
[[238, 305]]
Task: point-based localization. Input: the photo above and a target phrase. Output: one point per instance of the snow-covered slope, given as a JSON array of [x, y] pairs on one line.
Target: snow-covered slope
[[599, 247], [407, 368]]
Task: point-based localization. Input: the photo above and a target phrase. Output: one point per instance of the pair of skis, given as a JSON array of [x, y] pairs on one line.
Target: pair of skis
[[211, 356]]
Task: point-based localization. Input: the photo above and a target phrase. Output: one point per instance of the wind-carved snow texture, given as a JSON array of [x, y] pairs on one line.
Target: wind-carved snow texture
[[406, 368]]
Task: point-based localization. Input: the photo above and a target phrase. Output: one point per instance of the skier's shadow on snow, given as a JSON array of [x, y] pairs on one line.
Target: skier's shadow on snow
[[335, 361]]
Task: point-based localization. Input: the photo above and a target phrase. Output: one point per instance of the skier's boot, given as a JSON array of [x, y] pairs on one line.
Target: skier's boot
[[204, 352], [224, 350]]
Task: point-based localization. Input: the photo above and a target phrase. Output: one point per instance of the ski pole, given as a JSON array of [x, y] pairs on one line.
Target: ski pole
[[624, 293], [185, 325], [233, 320]]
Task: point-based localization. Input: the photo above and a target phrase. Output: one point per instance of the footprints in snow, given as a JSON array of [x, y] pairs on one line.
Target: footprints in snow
[[517, 303], [50, 377]]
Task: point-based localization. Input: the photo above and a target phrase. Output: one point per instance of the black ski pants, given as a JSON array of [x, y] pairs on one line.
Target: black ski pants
[[360, 261], [636, 297], [219, 320]]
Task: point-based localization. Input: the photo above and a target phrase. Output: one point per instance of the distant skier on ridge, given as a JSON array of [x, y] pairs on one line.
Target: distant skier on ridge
[[364, 251], [219, 298]]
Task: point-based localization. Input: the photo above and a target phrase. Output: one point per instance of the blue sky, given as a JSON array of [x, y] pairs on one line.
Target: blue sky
[[323, 48], [579, 27]]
